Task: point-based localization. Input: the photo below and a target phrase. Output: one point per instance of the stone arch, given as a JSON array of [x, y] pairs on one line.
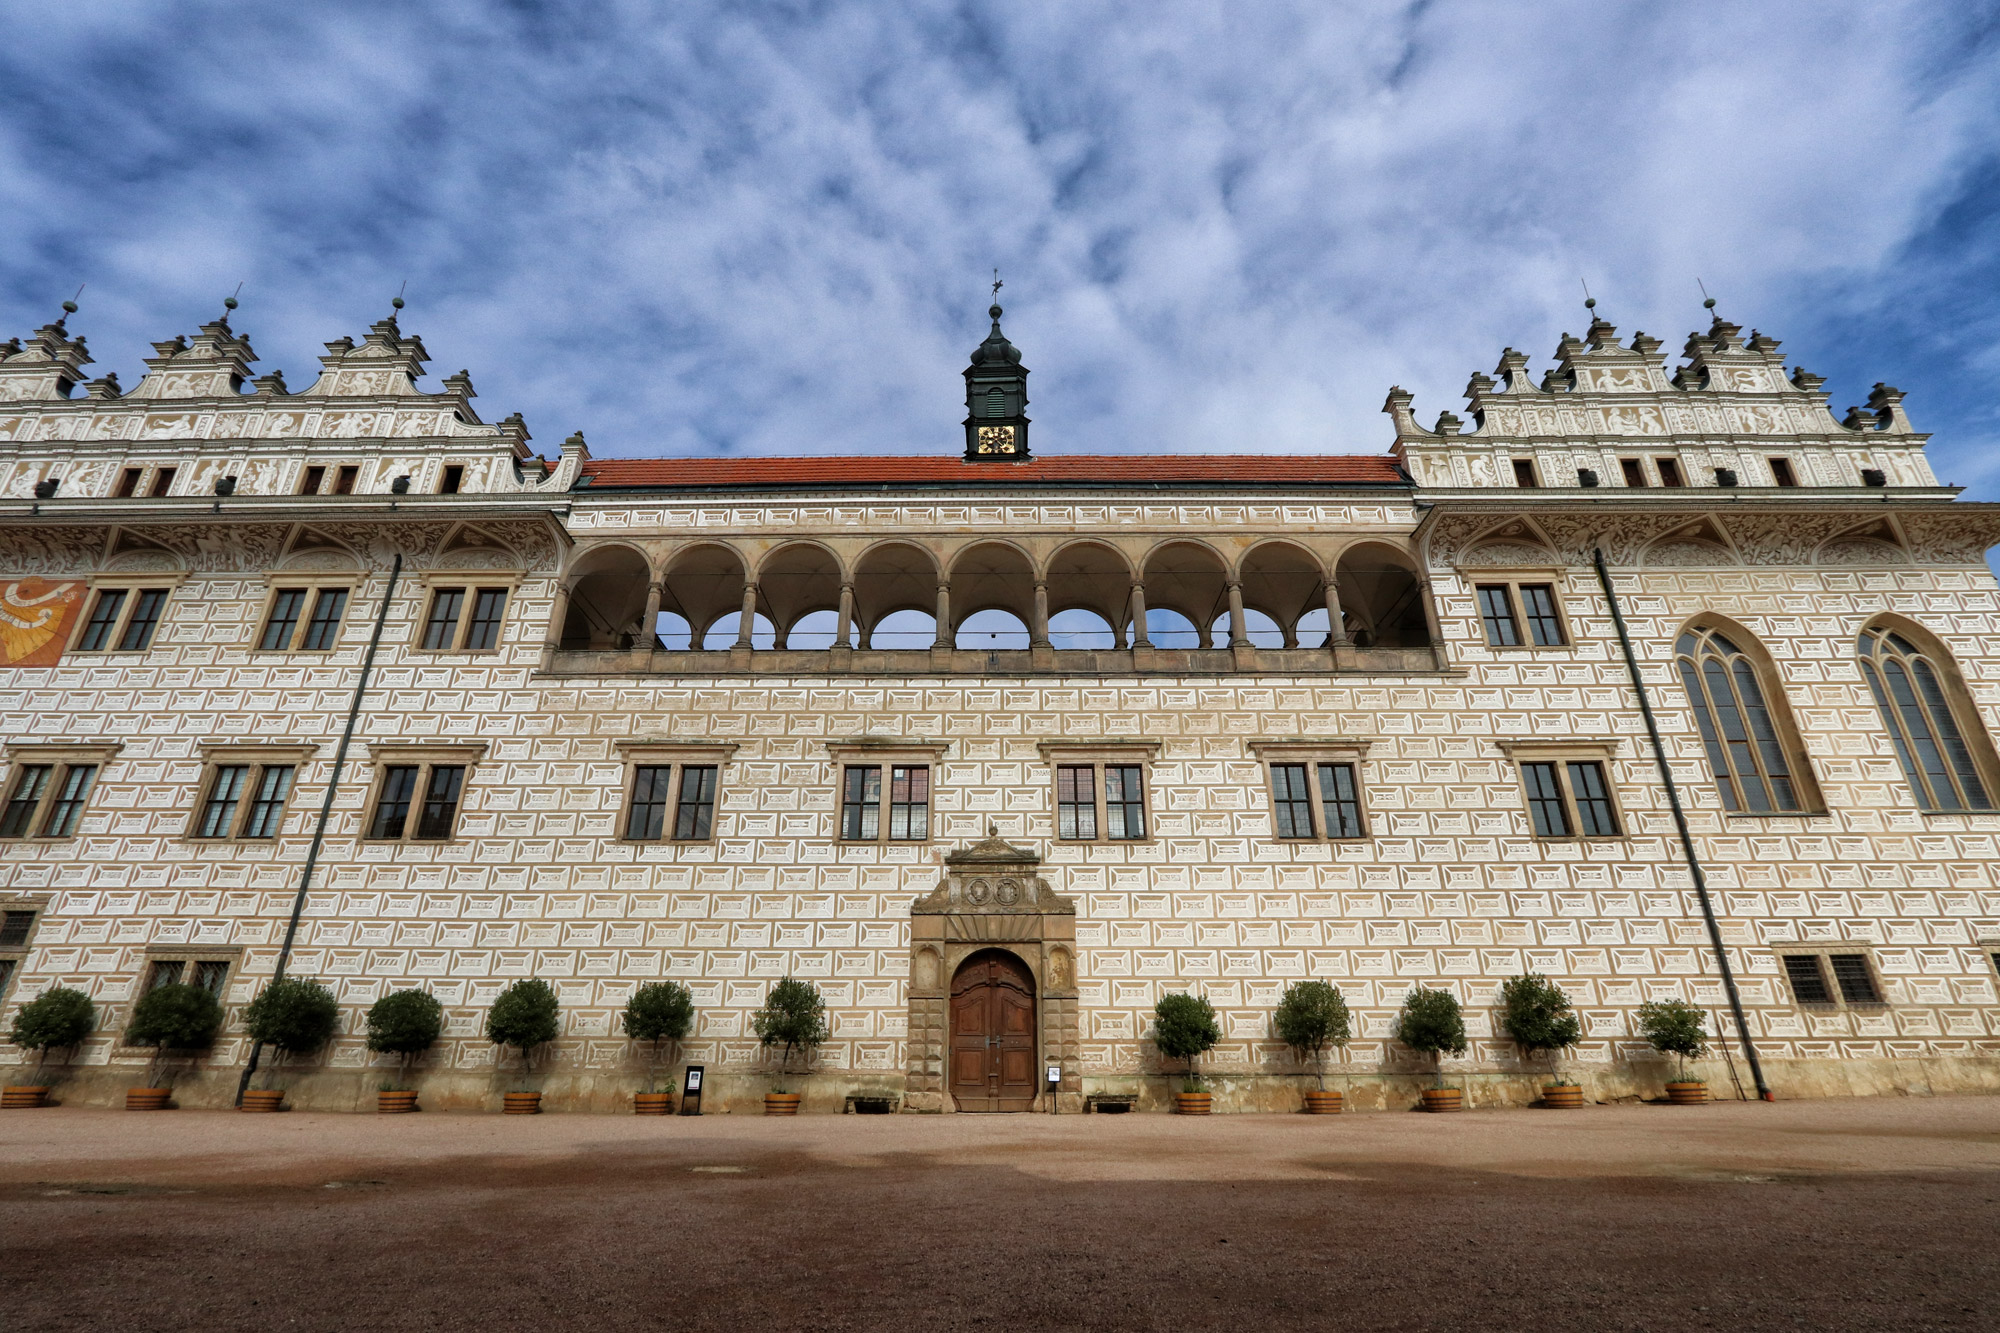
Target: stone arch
[[1744, 718], [893, 577], [1191, 579], [1701, 543], [1284, 581], [607, 598], [992, 576], [794, 581], [1516, 543], [1382, 597], [1876, 543], [470, 547], [1091, 576], [702, 587], [1932, 721]]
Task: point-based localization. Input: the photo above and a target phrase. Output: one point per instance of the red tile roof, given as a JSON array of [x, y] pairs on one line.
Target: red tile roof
[[1276, 470]]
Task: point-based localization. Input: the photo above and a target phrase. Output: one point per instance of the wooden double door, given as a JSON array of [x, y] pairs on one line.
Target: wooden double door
[[993, 1034]]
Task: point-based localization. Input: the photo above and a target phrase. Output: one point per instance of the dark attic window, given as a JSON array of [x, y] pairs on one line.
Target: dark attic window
[[1524, 472], [454, 477]]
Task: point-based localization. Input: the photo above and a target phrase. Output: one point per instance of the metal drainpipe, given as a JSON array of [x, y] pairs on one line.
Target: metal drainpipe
[[326, 808], [1681, 825]]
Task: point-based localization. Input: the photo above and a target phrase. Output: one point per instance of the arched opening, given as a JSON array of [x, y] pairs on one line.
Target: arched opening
[[701, 594], [991, 629], [723, 634], [1078, 628], [994, 583], [1744, 719], [1285, 582], [992, 1034], [1167, 628], [1381, 598], [607, 600], [1260, 629], [815, 629], [793, 582], [895, 595], [1093, 578], [1944, 751], [1188, 580]]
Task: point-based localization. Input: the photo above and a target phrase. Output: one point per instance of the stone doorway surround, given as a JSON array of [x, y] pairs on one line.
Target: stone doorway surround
[[992, 898]]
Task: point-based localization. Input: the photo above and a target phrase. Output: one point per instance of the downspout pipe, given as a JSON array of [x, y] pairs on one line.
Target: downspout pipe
[[326, 807], [1681, 827]]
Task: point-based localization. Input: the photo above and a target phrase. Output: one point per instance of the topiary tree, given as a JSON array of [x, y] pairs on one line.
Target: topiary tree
[[659, 1011], [794, 1017], [294, 1015], [1183, 1027], [1674, 1027], [1539, 1017], [174, 1017], [1432, 1022], [404, 1023], [525, 1015], [59, 1017], [1311, 1017]]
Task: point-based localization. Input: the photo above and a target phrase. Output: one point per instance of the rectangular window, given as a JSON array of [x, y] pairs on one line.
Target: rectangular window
[[218, 813], [122, 620], [1340, 800], [1634, 470], [1855, 979], [288, 629], [343, 480], [147, 607], [454, 477], [7, 966], [128, 482], [209, 974], [314, 479], [71, 794], [15, 927], [1545, 801], [31, 784], [1594, 815], [1808, 982], [1670, 471], [286, 608], [440, 811], [1496, 612], [1538, 601], [1076, 801], [164, 972], [324, 627], [909, 803], [487, 607], [267, 807], [861, 803], [1124, 802], [163, 481], [447, 628], [401, 814], [694, 811], [244, 801], [441, 626], [1291, 800], [1524, 472], [103, 619], [1781, 472], [647, 818], [392, 802]]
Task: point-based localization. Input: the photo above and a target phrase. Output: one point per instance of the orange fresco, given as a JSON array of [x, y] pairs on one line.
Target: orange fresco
[[35, 617]]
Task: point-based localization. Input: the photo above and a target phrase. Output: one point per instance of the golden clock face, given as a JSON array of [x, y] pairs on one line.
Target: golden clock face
[[996, 439]]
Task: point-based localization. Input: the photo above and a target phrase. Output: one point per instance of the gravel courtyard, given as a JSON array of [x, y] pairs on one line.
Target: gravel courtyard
[[1823, 1215]]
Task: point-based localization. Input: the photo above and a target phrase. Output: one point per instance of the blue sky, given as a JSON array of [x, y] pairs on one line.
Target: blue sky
[[768, 228]]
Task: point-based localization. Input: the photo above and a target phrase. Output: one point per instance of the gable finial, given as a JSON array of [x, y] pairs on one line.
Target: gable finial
[[69, 306], [1707, 301], [1589, 301], [230, 302], [396, 301]]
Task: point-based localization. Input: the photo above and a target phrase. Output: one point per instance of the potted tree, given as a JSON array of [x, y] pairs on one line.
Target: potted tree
[[794, 1017], [1539, 1017], [294, 1016], [171, 1018], [1431, 1022], [1311, 1017], [659, 1011], [524, 1016], [1675, 1027], [403, 1023], [1183, 1027], [57, 1018]]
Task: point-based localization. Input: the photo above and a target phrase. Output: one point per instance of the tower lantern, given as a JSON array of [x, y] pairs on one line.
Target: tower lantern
[[996, 396]]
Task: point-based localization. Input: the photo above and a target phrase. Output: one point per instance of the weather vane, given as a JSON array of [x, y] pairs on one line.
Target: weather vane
[[997, 285]]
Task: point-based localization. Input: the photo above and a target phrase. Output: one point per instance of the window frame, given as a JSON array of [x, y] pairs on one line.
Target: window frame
[[1824, 952], [425, 759], [1561, 754], [258, 758], [1666, 465], [1511, 581], [888, 755], [1351, 751], [1100, 755], [315, 585], [1777, 703], [230, 956], [132, 587], [60, 759], [14, 957], [641, 753], [1959, 705], [1787, 478], [471, 583], [1527, 476]]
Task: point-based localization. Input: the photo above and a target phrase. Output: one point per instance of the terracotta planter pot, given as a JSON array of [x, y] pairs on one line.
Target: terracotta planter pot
[[395, 1103], [781, 1103], [652, 1103], [147, 1099], [262, 1101], [1191, 1103], [1563, 1096], [1687, 1094], [522, 1103], [1444, 1099], [23, 1098], [1324, 1103]]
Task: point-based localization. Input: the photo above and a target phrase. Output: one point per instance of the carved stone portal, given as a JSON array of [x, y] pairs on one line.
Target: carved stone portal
[[991, 898]]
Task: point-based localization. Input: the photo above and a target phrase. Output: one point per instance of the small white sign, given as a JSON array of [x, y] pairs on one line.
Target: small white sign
[[1055, 1073], [694, 1080]]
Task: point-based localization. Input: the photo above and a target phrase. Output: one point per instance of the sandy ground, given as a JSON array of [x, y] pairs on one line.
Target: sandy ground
[[1822, 1215]]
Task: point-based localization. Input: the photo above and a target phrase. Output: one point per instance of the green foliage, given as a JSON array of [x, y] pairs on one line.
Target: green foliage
[[1183, 1027], [405, 1022], [1674, 1027], [1432, 1022], [794, 1017], [294, 1015], [55, 1018], [1311, 1017], [1538, 1015], [524, 1016], [659, 1011], [175, 1017]]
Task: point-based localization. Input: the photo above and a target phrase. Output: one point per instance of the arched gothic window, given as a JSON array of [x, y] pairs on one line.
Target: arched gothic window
[[1752, 747], [1911, 688]]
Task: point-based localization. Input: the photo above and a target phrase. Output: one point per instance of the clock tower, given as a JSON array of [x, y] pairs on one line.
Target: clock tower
[[996, 397]]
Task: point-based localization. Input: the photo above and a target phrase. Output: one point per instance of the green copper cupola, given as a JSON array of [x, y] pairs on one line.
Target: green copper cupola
[[996, 398]]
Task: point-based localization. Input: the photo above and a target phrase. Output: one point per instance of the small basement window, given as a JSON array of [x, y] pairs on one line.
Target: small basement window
[[1832, 977]]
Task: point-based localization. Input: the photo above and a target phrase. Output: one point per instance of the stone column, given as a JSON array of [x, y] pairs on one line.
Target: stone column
[[1431, 622], [560, 617], [1239, 630], [843, 625], [944, 638], [1139, 639], [1336, 620], [649, 628], [1038, 628], [746, 625]]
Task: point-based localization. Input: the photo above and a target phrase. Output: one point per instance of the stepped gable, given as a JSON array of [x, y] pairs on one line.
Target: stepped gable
[[1245, 470], [47, 365]]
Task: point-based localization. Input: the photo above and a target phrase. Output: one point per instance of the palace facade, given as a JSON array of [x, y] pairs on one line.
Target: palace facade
[[1094, 729]]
